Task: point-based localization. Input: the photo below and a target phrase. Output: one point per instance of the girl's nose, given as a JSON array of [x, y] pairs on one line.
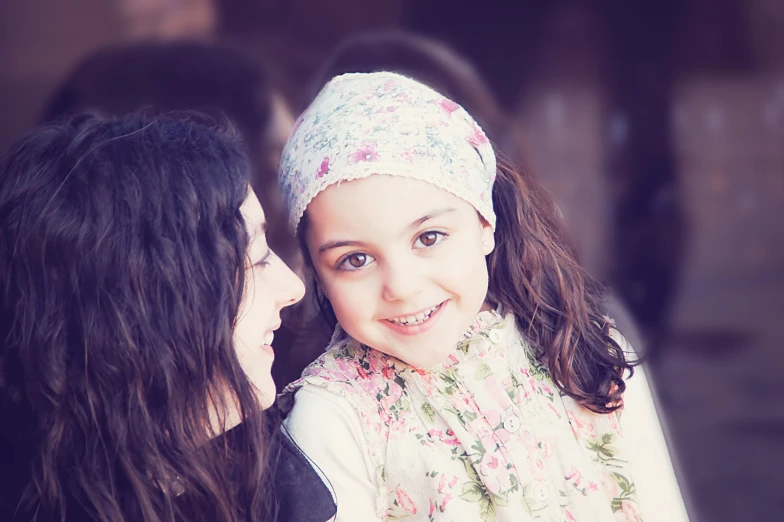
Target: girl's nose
[[401, 280]]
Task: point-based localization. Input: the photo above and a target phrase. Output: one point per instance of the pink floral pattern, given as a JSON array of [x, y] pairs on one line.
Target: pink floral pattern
[[483, 436], [368, 151], [448, 105], [385, 123], [323, 168]]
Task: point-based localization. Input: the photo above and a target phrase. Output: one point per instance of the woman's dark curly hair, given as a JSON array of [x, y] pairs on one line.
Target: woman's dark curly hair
[[122, 254]]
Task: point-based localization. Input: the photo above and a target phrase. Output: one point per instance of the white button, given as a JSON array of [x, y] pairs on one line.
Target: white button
[[494, 336], [511, 424]]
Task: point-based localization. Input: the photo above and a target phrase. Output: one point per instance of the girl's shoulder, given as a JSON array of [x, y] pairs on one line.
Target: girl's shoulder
[[348, 368]]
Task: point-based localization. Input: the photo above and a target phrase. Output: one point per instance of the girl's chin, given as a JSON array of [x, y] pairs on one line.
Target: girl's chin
[[416, 360]]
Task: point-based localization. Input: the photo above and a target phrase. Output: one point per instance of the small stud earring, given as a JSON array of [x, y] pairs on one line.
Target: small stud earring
[[486, 242]]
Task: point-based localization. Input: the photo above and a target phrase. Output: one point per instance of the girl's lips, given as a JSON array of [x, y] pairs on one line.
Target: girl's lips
[[418, 328]]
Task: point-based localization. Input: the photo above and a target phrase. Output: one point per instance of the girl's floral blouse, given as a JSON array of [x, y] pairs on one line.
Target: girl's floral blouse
[[486, 435]]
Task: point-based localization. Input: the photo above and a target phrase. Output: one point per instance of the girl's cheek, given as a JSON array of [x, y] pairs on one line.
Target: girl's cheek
[[457, 261]]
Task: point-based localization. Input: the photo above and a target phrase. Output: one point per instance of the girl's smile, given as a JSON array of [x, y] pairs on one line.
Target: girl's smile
[[418, 323]]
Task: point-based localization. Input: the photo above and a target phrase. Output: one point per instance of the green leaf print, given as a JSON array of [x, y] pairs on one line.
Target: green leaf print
[[429, 413], [515, 485], [616, 504], [469, 416], [450, 381], [469, 467], [473, 492], [627, 487], [487, 511], [607, 451], [483, 372], [476, 492], [480, 450]]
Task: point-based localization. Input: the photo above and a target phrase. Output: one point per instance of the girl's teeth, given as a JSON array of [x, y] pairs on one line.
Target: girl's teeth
[[268, 337], [415, 319]]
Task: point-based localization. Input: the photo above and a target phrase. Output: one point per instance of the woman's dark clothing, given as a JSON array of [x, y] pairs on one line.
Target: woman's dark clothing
[[301, 494]]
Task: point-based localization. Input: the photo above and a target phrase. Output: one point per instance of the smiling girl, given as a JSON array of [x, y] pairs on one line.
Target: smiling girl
[[473, 374]]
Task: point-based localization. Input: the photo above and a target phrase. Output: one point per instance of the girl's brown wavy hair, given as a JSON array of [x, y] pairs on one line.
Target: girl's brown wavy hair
[[558, 306], [122, 255], [535, 275]]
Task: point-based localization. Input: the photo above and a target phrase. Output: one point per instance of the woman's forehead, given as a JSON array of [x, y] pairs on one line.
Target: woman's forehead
[[253, 214]]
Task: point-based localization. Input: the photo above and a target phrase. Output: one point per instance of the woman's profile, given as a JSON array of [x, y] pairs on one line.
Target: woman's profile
[[138, 302]]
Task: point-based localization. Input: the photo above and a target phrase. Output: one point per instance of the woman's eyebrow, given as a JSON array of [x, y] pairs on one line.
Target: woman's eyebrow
[[261, 230]]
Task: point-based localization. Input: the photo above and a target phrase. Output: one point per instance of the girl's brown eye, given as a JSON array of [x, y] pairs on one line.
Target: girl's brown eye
[[357, 260], [429, 238]]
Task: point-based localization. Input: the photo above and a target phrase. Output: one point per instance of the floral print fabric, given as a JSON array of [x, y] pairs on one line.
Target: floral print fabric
[[362, 124], [486, 435]]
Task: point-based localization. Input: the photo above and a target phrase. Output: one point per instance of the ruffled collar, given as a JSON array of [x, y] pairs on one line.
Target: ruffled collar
[[482, 339], [484, 319]]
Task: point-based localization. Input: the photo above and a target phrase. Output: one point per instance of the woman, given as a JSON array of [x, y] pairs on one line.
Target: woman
[[138, 304]]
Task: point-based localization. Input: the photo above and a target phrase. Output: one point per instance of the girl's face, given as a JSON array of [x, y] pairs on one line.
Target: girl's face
[[269, 287], [402, 263]]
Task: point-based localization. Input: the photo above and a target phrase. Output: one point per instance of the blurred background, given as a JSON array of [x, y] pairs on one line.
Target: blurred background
[[657, 126]]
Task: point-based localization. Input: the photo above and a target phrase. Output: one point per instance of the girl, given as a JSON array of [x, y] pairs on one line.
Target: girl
[[473, 375], [138, 301]]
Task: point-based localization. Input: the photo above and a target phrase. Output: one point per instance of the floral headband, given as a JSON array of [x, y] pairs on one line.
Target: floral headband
[[362, 124]]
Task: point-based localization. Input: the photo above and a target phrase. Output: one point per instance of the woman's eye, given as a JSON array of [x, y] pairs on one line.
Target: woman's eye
[[431, 238], [354, 261], [265, 260]]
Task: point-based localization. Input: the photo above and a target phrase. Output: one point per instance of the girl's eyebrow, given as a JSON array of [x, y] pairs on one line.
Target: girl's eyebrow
[[429, 216], [329, 245]]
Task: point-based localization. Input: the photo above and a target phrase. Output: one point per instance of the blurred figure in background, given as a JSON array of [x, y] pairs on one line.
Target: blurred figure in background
[[428, 61]]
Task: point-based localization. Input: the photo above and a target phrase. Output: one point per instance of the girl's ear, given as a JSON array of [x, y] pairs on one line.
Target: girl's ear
[[488, 237]]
